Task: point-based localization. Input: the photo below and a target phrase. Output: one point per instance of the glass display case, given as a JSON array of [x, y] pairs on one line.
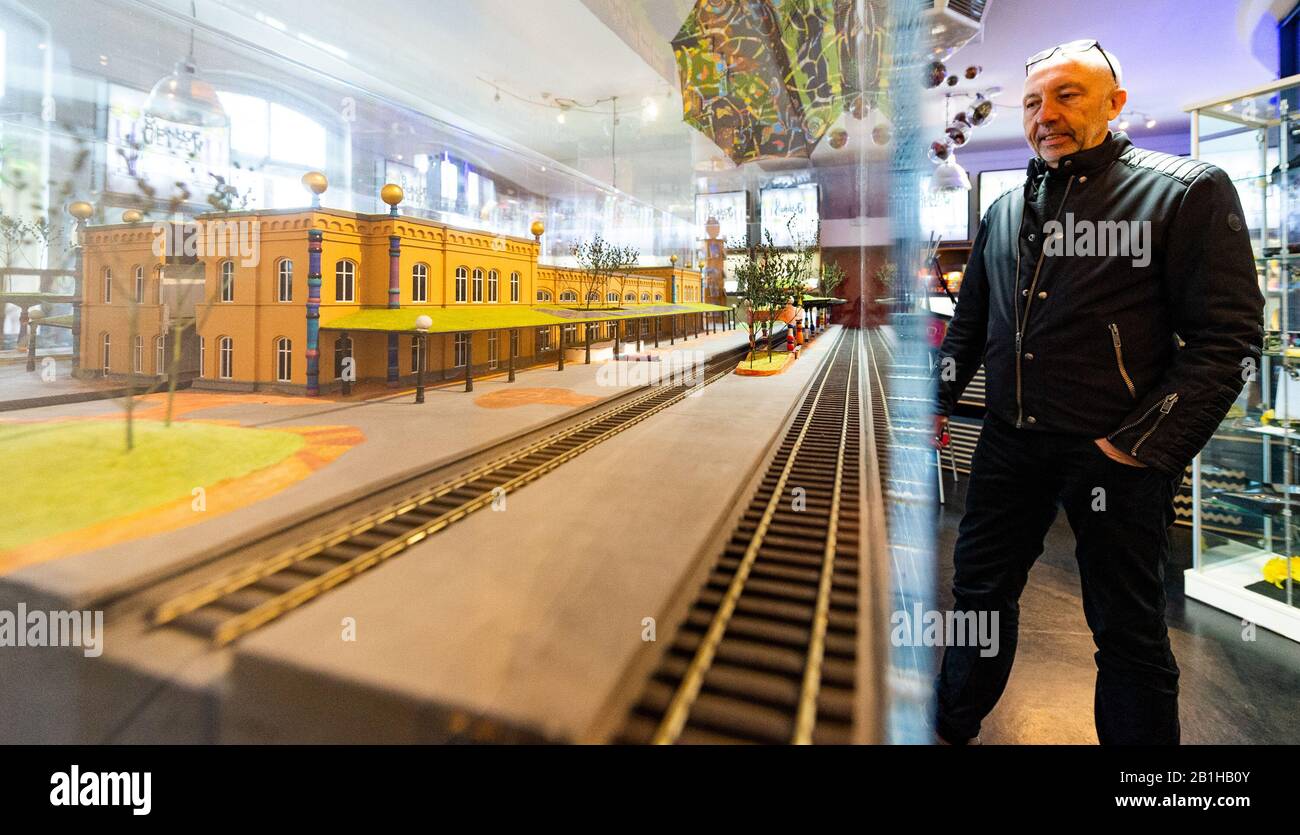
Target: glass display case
[[1246, 543]]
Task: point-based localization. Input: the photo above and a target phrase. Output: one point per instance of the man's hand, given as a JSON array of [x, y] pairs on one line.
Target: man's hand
[[1114, 453]]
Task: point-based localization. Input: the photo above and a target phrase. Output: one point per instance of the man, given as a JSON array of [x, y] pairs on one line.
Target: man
[[1114, 303]]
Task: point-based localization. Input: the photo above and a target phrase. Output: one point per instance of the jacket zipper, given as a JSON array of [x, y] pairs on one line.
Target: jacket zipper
[[1165, 404], [1164, 410], [1022, 324], [1119, 359]]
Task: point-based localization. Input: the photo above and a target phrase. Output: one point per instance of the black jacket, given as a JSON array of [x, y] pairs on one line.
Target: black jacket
[[1150, 355]]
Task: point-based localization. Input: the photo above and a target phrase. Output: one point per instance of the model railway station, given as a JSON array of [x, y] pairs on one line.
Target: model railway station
[[641, 372]]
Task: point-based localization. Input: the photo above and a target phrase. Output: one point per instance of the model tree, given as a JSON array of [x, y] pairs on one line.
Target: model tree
[[601, 263]]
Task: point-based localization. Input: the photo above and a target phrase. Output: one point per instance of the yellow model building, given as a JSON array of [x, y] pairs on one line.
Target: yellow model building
[[309, 300]]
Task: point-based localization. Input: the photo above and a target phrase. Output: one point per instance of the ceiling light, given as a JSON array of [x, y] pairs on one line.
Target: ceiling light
[[1151, 123], [649, 110], [559, 117], [950, 176], [1123, 124], [184, 98]]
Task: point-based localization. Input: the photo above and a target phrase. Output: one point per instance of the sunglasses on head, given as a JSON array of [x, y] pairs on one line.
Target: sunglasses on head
[[1073, 46]]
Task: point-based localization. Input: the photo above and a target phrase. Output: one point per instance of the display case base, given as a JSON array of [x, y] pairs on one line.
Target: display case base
[[1223, 586]]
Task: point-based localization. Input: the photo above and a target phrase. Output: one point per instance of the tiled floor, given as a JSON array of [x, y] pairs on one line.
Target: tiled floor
[[1232, 691]]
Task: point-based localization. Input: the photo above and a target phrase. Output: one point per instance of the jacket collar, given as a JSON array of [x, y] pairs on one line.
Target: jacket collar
[[1083, 162]]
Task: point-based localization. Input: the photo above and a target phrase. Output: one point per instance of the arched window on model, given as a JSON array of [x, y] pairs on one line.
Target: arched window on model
[[568, 296], [612, 298], [514, 287], [593, 296], [106, 353], [645, 297], [158, 284], [420, 283], [478, 284], [284, 360], [345, 281], [227, 281], [108, 285], [203, 357], [225, 358], [462, 282], [492, 285], [543, 295], [630, 297], [159, 356], [659, 297], [137, 355], [284, 281], [139, 284], [492, 349]]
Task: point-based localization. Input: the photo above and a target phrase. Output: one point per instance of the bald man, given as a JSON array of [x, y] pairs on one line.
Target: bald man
[[1113, 302]]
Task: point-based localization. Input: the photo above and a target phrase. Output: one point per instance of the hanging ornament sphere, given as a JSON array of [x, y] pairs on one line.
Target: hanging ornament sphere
[[973, 71], [958, 133], [982, 112], [839, 138], [859, 108], [940, 151], [952, 81], [881, 134], [936, 74]]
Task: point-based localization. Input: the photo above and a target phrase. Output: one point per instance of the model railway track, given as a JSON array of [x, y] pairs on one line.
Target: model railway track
[[879, 362], [255, 594], [767, 651]]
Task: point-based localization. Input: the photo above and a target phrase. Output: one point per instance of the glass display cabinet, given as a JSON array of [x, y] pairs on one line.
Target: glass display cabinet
[[1245, 499]]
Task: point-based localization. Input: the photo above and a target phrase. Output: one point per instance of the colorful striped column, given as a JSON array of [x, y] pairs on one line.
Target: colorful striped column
[[314, 238], [394, 298]]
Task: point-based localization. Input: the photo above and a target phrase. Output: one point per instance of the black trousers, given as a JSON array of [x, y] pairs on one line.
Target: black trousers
[[1120, 516]]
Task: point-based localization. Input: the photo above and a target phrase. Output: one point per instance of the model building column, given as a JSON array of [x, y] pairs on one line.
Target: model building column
[[81, 212], [316, 183], [392, 194]]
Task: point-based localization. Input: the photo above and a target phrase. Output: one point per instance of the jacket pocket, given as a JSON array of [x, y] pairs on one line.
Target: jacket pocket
[[1119, 360]]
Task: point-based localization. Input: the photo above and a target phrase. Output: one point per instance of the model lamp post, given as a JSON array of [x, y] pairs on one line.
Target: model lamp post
[[316, 183], [392, 194], [422, 325]]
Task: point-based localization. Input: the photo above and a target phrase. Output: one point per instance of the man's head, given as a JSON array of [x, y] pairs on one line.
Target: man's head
[[1069, 99]]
